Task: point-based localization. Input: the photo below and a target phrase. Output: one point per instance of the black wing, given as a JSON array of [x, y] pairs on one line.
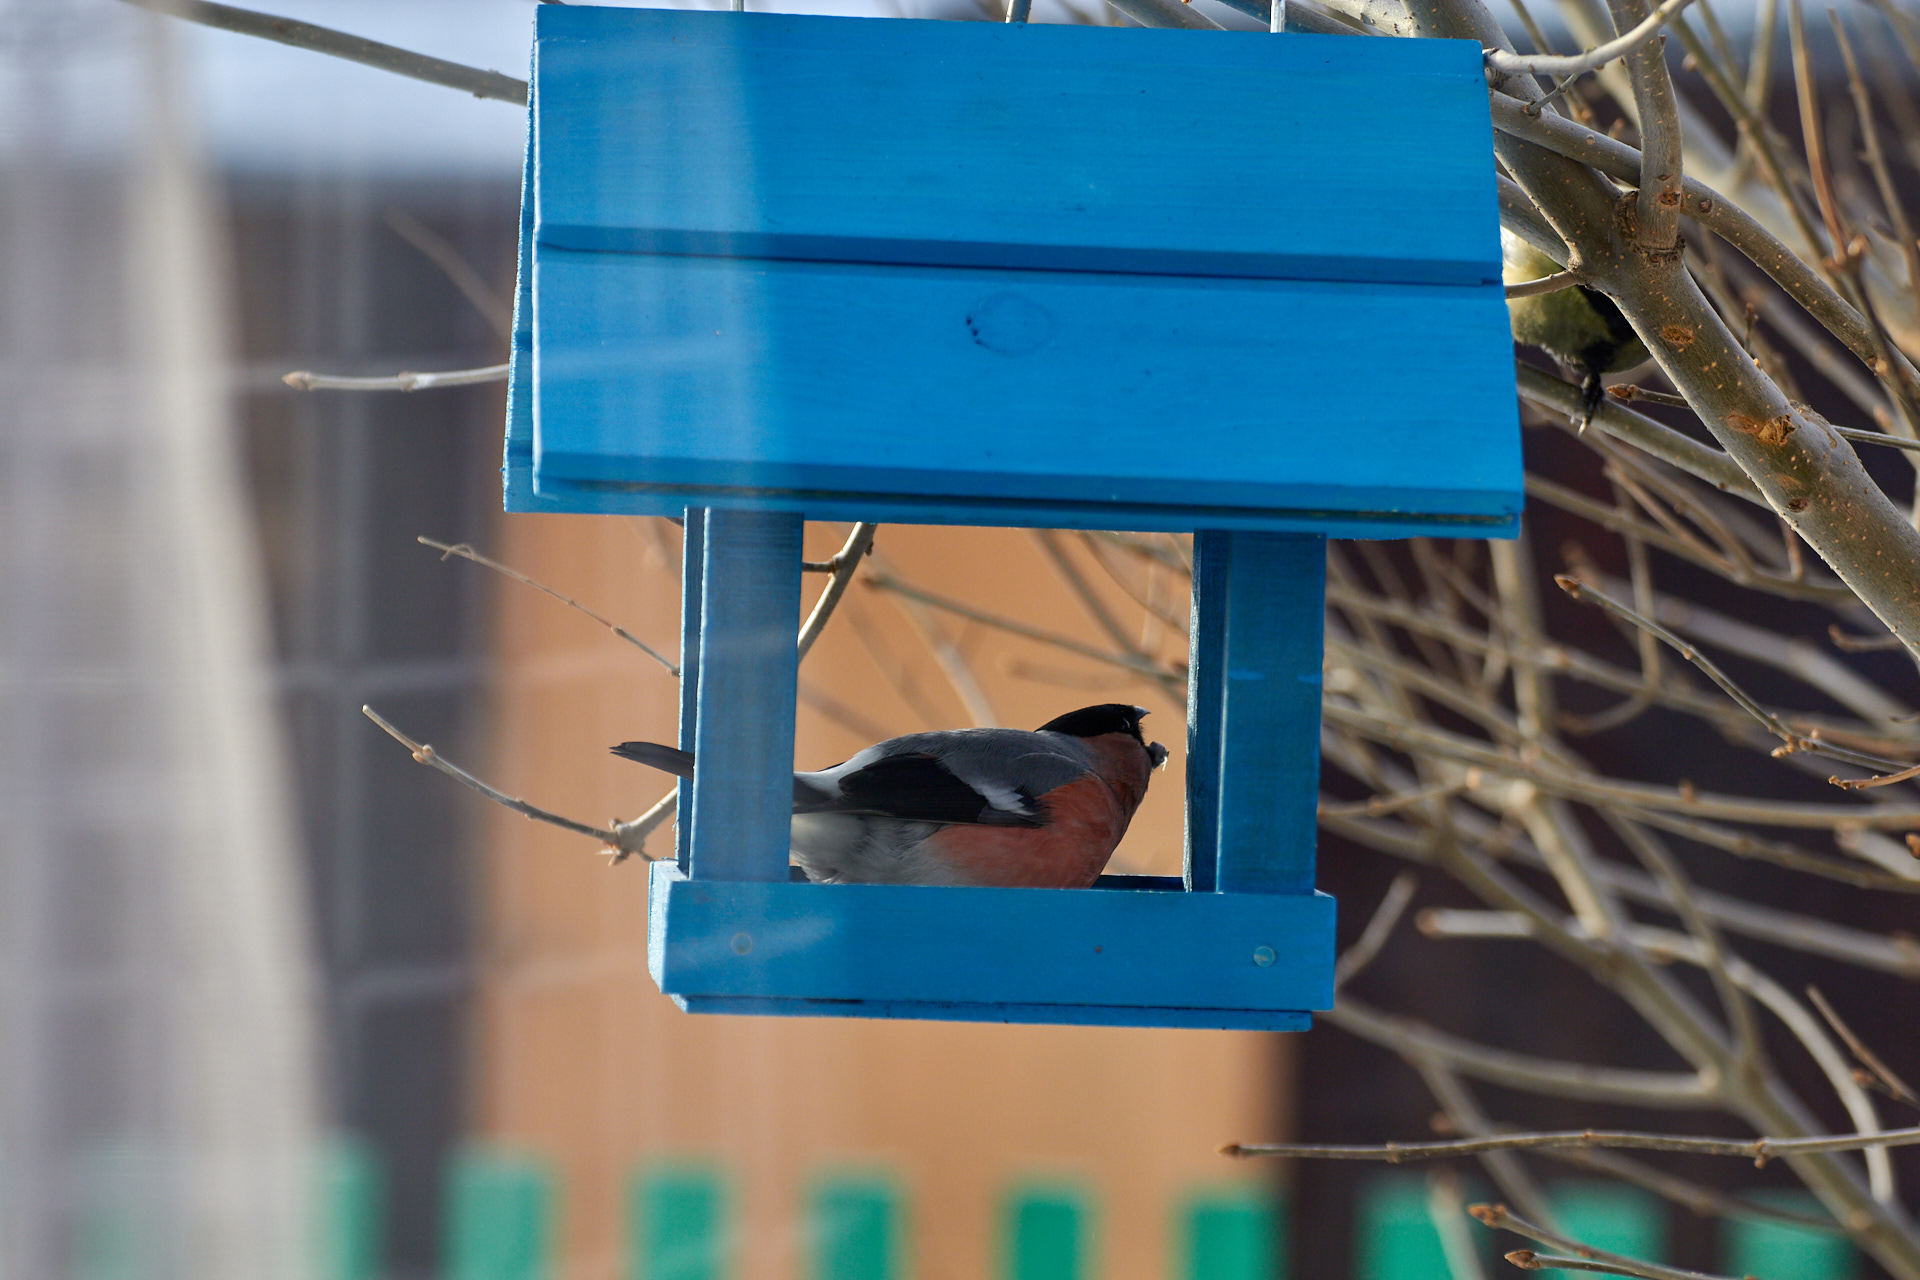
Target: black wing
[[916, 788]]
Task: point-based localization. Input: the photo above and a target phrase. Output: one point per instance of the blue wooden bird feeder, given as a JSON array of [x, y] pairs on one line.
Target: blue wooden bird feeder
[[970, 273]]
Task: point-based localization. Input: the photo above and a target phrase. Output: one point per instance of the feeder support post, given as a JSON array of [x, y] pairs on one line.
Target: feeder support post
[[748, 664], [1254, 700]]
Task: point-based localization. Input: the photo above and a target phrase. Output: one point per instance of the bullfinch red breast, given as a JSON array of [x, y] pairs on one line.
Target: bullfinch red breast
[[1005, 807]]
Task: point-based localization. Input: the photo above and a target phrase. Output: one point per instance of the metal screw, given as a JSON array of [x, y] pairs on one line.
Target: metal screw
[[1263, 956], [743, 943]]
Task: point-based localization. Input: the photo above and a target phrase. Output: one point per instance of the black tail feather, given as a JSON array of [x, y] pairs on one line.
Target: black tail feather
[[654, 755]]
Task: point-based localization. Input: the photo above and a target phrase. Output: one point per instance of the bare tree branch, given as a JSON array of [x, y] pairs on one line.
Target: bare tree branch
[[338, 44], [842, 566], [1572, 64], [306, 380], [1758, 1150], [425, 754], [466, 552]]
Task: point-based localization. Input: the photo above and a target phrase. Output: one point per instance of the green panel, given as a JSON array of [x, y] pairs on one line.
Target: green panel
[[677, 1224], [499, 1223], [351, 1222], [1230, 1235], [127, 1214], [858, 1228], [1044, 1234], [1781, 1249], [1607, 1215], [1395, 1238]]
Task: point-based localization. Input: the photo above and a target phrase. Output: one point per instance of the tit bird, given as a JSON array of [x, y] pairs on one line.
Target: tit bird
[[998, 807], [1579, 327]]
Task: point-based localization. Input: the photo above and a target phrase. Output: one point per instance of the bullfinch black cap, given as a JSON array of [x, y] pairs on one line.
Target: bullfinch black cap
[[1091, 722]]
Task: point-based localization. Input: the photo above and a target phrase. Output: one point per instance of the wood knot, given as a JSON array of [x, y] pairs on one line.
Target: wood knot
[[1798, 505], [1677, 336], [1773, 432]]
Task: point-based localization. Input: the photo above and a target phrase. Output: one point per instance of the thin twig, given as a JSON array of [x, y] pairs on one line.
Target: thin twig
[[1510, 1069], [435, 248], [338, 44], [1895, 1086], [1504, 63], [405, 380], [1446, 1209], [946, 652], [1171, 684], [1826, 590], [1508, 1171], [1896, 375], [1878, 780], [1880, 438], [1380, 806], [1666, 869], [1860, 644], [849, 718], [843, 565], [1393, 904], [1774, 725], [425, 754], [1636, 795], [466, 552], [1713, 210], [630, 837], [1533, 1260], [1553, 283], [1690, 1195], [1585, 1258], [884, 581], [1890, 200], [1629, 392], [1758, 1150]]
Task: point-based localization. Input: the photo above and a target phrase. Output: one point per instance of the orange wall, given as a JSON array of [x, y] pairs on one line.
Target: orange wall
[[580, 1059]]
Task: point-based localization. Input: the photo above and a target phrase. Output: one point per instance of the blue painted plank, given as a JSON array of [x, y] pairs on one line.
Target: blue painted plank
[[693, 550], [973, 389], [743, 735], [1206, 649], [1040, 513], [1274, 612], [975, 946], [978, 144], [516, 468], [1066, 1015]]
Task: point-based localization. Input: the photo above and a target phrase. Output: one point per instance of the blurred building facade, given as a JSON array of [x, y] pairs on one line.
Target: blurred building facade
[[480, 981]]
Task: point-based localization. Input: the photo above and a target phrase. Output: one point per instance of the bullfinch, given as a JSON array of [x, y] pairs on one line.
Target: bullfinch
[[1004, 807]]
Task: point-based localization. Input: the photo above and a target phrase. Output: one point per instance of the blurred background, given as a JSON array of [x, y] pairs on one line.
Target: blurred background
[[274, 1000], [245, 937]]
